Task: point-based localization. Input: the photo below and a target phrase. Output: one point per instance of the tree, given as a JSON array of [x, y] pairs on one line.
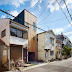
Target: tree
[[66, 52]]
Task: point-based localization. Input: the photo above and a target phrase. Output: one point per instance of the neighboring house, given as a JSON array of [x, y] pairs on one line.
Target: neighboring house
[[30, 20], [46, 46], [64, 40], [15, 37], [3, 55], [58, 49]]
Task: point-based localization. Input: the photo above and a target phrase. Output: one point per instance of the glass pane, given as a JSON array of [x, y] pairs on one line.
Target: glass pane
[[13, 31], [19, 33], [33, 26]]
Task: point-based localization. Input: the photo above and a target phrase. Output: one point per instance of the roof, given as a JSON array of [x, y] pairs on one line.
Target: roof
[[50, 31]]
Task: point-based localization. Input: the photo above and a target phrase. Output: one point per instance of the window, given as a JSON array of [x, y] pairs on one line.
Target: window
[[27, 24], [13, 31], [3, 33], [33, 26], [52, 40], [19, 33], [33, 38], [51, 53], [16, 32]]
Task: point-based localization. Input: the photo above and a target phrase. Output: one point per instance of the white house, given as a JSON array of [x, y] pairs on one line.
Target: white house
[[46, 46]]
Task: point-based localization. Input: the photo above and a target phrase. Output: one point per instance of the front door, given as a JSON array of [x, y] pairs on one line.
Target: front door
[[46, 55], [25, 55]]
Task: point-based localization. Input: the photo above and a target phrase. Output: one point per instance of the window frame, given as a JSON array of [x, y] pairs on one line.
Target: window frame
[[16, 32], [3, 33], [34, 26], [52, 53]]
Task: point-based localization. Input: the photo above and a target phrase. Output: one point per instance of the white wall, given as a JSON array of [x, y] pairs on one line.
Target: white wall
[[48, 44], [18, 41]]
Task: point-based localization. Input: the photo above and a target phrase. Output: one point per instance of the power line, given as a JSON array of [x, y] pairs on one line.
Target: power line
[[44, 9], [63, 12], [21, 20], [55, 20], [45, 17], [33, 6], [67, 10]]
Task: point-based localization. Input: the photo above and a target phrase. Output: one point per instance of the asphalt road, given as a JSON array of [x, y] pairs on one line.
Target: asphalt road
[[56, 66]]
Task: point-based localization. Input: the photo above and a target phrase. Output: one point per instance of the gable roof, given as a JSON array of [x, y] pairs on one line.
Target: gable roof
[[50, 31]]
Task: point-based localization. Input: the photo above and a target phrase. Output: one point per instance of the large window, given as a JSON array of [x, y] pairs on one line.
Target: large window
[[33, 26], [16, 32], [52, 40]]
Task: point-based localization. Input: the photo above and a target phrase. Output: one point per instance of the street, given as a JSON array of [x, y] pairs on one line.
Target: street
[[56, 66]]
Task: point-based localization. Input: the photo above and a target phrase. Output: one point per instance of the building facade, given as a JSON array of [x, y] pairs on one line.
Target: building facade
[[29, 20], [15, 37], [46, 46], [64, 40], [58, 49]]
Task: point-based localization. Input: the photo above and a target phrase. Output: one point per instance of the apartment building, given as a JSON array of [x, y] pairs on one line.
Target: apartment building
[[29, 20], [14, 41], [46, 46], [64, 40]]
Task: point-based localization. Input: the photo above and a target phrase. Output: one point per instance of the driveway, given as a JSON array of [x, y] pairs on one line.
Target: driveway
[[56, 66]]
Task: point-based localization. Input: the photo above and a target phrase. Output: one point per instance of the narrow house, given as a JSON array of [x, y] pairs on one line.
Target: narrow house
[[29, 20], [46, 46], [58, 49], [15, 37]]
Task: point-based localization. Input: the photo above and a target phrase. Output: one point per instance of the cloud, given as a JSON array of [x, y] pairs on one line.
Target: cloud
[[40, 1], [15, 13], [69, 35], [39, 7], [3, 16], [12, 2], [58, 30], [69, 25], [33, 2], [54, 5]]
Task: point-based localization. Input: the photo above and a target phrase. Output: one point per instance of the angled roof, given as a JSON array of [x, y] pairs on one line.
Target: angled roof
[[50, 31]]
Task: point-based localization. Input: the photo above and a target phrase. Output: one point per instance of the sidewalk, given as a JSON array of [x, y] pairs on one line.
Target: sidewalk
[[21, 69]]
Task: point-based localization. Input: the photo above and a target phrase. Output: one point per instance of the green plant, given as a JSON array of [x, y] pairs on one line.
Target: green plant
[[66, 51]]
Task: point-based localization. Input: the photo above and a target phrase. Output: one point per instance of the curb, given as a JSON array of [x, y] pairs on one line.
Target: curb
[[31, 67]]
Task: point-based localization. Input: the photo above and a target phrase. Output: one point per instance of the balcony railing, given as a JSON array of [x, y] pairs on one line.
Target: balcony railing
[[18, 41]]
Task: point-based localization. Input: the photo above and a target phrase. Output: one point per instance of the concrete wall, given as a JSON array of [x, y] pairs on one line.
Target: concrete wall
[[3, 55], [4, 24], [44, 44], [41, 47], [18, 41], [48, 44], [30, 18]]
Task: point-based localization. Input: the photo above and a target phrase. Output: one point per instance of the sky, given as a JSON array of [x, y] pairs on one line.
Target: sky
[[48, 13]]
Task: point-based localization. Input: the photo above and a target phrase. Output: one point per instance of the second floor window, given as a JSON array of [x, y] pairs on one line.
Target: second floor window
[[16, 32], [52, 40], [33, 26]]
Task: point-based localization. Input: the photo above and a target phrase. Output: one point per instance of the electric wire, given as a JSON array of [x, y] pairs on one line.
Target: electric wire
[[21, 20]]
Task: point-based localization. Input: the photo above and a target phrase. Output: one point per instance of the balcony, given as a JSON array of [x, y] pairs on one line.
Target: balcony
[[18, 41]]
